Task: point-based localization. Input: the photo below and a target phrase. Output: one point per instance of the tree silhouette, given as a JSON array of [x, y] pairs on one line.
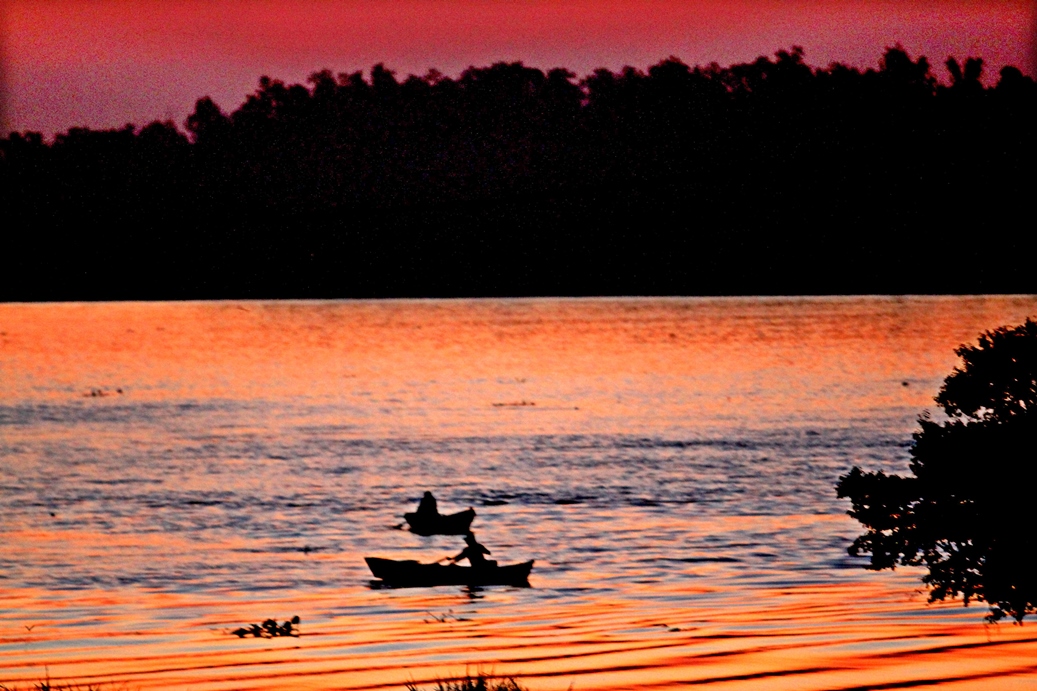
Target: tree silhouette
[[765, 177], [965, 514], [967, 80], [207, 122]]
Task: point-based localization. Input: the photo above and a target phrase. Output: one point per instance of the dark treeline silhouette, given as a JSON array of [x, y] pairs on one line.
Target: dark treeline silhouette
[[759, 178]]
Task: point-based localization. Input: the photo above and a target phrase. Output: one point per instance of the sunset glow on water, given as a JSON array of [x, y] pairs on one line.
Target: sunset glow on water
[[173, 471]]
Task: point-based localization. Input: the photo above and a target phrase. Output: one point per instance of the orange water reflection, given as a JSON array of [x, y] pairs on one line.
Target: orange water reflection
[[706, 357], [846, 636], [670, 472]]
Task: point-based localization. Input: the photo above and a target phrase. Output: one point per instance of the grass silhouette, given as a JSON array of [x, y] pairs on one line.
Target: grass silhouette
[[47, 685], [479, 682]]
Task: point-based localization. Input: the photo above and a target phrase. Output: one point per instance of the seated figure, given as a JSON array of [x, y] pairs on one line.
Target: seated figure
[[427, 508]]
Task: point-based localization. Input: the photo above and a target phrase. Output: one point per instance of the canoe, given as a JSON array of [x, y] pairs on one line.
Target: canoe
[[441, 524], [413, 574]]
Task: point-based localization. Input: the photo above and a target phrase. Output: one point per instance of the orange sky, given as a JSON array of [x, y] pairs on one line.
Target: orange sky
[[107, 62]]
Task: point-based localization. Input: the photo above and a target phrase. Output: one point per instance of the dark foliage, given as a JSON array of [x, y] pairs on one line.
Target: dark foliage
[[479, 682], [766, 177], [47, 685], [965, 514], [269, 629]]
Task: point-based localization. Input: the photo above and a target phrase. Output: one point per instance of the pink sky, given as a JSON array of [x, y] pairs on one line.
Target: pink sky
[[103, 63]]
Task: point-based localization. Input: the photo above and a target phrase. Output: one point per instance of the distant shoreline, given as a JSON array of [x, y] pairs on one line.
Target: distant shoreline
[[535, 298], [765, 178]]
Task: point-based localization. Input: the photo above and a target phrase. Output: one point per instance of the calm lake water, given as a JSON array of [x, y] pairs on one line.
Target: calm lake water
[[172, 471]]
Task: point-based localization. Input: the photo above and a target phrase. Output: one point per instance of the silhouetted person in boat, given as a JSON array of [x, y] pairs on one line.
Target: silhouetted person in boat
[[474, 552], [427, 508]]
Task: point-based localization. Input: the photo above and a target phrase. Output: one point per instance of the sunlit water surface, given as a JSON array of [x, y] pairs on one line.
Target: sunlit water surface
[[170, 472]]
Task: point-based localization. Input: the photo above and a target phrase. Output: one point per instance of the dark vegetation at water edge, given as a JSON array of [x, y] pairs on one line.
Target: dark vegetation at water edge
[[47, 685], [269, 629], [768, 177], [480, 682], [965, 514]]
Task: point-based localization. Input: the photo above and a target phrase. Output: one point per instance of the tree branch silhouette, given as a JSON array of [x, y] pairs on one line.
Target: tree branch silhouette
[[965, 515]]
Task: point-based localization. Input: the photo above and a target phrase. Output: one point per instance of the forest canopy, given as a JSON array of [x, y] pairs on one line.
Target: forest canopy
[[965, 514], [762, 177]]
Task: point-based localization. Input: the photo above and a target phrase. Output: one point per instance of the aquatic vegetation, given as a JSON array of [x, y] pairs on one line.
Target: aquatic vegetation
[[964, 514], [102, 393], [270, 629], [479, 682], [444, 618]]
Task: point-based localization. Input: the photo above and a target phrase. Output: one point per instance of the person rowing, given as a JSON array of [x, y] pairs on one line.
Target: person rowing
[[474, 552]]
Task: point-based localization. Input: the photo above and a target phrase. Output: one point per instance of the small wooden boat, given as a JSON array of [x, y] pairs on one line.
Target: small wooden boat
[[413, 574], [441, 524]]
